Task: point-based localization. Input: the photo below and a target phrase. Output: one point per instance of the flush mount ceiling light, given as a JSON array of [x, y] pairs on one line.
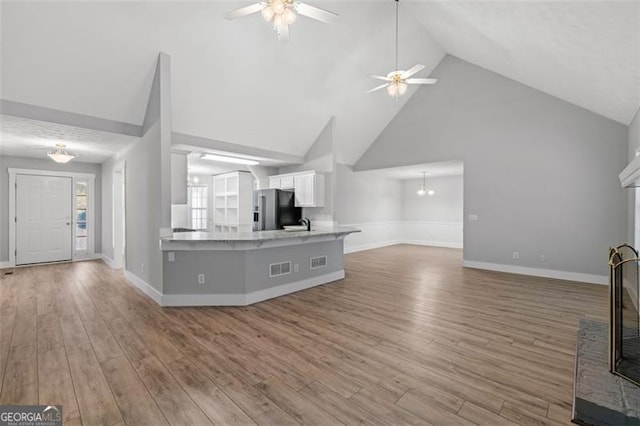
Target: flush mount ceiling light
[[226, 159], [424, 189], [60, 155], [282, 13], [397, 81]]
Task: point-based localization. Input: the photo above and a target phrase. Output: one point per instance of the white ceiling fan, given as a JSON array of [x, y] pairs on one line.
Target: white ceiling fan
[[282, 13], [397, 80]]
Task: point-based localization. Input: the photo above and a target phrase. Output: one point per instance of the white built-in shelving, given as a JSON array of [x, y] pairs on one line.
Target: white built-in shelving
[[233, 202]]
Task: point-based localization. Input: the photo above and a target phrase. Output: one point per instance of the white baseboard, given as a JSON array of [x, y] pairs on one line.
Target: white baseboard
[[381, 244], [281, 290], [143, 286], [250, 298], [371, 246], [536, 272], [95, 256], [109, 261], [444, 244]]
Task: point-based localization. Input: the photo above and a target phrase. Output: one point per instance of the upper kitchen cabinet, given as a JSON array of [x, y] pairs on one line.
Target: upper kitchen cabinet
[[281, 182], [178, 178], [308, 187]]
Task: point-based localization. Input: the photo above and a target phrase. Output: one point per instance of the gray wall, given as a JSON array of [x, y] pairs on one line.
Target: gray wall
[[634, 136], [142, 186], [634, 144], [366, 197], [147, 185], [7, 162], [444, 206], [321, 157], [540, 173], [240, 272]]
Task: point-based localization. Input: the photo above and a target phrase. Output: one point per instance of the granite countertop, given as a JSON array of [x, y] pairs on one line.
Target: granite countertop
[[259, 235]]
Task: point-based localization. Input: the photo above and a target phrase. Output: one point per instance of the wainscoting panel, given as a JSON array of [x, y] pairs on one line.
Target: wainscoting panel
[[381, 234]]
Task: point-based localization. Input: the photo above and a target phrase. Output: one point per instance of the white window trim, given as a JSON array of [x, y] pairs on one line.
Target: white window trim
[[190, 204], [89, 178]]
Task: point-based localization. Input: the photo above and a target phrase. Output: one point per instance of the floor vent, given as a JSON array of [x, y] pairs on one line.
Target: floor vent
[[318, 262], [279, 269]]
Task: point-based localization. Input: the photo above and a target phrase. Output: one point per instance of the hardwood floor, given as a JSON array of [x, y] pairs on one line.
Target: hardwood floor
[[409, 337]]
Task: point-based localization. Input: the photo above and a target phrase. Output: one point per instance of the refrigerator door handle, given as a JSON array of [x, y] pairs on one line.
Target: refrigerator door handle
[[262, 201]]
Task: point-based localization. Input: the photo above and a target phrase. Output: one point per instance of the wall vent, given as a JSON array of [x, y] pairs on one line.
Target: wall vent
[[279, 269], [317, 262]]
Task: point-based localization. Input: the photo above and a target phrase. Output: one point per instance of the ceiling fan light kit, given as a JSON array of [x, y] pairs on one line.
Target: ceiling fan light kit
[[397, 81], [282, 13]]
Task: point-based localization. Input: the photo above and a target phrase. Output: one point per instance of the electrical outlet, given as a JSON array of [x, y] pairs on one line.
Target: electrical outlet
[[296, 268], [171, 256], [543, 258], [516, 255], [200, 278], [473, 218]]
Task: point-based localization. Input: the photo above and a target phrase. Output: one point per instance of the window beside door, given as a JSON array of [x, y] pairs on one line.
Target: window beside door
[[198, 205], [81, 236]]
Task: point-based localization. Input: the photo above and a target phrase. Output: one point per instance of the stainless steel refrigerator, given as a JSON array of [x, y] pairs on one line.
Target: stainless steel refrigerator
[[273, 209]]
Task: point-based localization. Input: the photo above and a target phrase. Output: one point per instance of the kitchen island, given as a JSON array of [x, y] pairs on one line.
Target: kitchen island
[[241, 268]]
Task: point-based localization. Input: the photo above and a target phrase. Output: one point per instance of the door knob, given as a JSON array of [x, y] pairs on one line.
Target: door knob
[[68, 223]]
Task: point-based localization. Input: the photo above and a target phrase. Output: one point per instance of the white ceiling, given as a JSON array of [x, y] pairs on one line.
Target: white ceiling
[[585, 52], [32, 138], [232, 81], [440, 169], [198, 165]]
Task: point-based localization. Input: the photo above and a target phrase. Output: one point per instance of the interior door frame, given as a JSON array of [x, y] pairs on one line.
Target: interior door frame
[[119, 207], [75, 177]]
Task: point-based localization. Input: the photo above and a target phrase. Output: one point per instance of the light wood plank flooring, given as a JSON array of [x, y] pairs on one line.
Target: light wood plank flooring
[[409, 337]]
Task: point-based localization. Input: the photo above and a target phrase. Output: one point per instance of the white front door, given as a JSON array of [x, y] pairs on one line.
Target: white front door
[[43, 219]]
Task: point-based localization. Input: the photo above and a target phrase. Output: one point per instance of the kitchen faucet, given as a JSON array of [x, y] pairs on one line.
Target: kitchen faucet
[[306, 222]]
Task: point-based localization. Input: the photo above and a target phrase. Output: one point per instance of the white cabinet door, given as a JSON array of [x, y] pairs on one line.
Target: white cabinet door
[[287, 182], [44, 218], [274, 183], [304, 190]]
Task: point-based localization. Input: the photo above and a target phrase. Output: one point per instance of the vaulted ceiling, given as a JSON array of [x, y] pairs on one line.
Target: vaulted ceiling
[[232, 81]]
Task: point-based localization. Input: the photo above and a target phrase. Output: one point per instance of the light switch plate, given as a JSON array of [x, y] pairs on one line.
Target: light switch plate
[[171, 257]]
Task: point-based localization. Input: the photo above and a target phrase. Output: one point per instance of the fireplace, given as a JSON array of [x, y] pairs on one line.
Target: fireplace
[[624, 321]]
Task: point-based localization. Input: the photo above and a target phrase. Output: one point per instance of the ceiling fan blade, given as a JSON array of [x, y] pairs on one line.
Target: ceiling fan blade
[[244, 11], [421, 80], [411, 71], [379, 77], [382, 86], [283, 33], [316, 13]]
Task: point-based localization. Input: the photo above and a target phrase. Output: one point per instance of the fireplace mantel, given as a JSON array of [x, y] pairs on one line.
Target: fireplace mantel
[[630, 176]]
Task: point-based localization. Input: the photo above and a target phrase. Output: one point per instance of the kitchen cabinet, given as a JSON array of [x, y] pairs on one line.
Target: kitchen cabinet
[[281, 182], [309, 190], [308, 187]]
